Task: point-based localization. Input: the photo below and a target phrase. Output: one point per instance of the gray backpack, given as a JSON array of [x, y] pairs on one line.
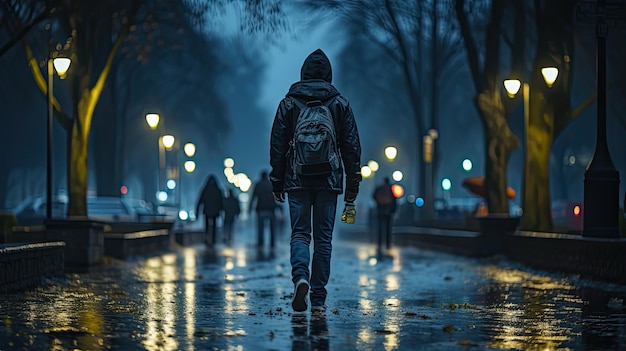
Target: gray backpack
[[314, 143]]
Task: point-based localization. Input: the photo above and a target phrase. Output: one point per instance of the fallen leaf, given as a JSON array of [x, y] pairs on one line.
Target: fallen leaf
[[467, 343], [383, 331]]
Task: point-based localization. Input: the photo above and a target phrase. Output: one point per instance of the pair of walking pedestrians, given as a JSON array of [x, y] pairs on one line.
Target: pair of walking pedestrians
[[215, 207]]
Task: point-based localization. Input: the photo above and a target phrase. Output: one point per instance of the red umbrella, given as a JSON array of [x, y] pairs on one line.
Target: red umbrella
[[476, 185]]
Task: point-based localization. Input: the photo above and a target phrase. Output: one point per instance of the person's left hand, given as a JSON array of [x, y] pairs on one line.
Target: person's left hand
[[280, 197], [349, 196]]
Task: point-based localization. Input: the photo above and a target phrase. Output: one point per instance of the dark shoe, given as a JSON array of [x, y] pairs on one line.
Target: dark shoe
[[298, 301]]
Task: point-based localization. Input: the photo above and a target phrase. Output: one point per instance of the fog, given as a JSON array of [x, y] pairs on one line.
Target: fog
[[223, 97]]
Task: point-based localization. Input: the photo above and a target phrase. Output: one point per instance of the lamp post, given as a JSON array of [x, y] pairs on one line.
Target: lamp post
[[429, 151], [61, 65], [168, 142], [512, 87], [601, 185], [189, 165], [391, 152]]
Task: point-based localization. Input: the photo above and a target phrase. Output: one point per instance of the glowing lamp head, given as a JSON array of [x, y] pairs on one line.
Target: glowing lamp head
[[229, 163], [190, 149], [61, 65], [512, 87], [549, 75], [168, 141], [153, 120], [190, 166], [391, 152], [366, 171], [373, 165]]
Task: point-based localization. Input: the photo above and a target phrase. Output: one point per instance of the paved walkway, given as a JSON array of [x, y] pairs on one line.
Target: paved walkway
[[238, 298]]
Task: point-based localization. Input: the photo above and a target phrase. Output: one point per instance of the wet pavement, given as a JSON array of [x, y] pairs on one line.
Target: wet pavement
[[238, 298]]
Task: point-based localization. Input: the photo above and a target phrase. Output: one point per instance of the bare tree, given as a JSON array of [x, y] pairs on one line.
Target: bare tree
[[95, 31], [550, 110], [484, 62], [18, 17], [420, 40]]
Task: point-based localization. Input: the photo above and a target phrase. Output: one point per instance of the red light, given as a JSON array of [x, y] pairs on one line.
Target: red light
[[576, 211], [124, 190], [397, 190]]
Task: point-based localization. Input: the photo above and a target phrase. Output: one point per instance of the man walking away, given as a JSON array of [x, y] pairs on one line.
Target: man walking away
[[211, 201], [265, 206], [385, 207], [314, 138]]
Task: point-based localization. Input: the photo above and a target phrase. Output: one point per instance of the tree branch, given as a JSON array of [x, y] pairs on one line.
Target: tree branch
[[470, 45], [41, 82]]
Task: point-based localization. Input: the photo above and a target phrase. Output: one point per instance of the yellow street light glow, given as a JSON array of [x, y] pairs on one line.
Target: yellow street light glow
[[512, 86], [229, 163], [190, 149], [168, 141], [190, 166], [549, 75], [366, 172], [434, 134], [61, 65], [391, 152], [373, 165], [228, 172], [153, 120], [245, 184]]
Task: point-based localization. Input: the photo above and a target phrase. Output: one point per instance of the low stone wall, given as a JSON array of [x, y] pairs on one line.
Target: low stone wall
[[83, 240], [125, 245], [25, 265], [190, 238], [593, 258], [468, 243]]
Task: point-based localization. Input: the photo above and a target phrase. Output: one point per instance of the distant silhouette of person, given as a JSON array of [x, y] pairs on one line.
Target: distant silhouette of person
[[212, 202], [385, 208], [265, 206], [231, 211]]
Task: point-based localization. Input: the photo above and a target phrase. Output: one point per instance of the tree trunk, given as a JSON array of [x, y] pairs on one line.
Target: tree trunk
[[500, 143], [106, 136], [78, 150], [536, 202], [77, 172], [549, 111]]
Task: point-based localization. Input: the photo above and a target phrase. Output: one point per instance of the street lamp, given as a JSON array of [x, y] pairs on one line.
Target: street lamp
[[391, 152], [190, 166], [512, 87], [61, 64], [190, 149], [373, 165], [153, 120], [168, 141], [429, 151]]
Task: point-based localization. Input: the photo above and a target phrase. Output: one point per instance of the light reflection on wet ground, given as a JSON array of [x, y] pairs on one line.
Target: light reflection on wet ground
[[239, 299]]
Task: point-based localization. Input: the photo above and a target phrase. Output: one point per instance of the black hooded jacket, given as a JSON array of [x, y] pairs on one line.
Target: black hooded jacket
[[315, 84]]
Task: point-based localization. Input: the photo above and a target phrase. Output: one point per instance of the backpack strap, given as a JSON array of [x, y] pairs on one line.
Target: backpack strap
[[312, 103]]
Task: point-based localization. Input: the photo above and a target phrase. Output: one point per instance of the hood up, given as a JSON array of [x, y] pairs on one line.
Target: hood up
[[317, 66]]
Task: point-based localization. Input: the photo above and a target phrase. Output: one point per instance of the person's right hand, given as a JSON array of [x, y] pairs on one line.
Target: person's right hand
[[280, 197]]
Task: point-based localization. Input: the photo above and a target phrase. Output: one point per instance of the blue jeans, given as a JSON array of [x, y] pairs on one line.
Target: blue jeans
[[322, 205]]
